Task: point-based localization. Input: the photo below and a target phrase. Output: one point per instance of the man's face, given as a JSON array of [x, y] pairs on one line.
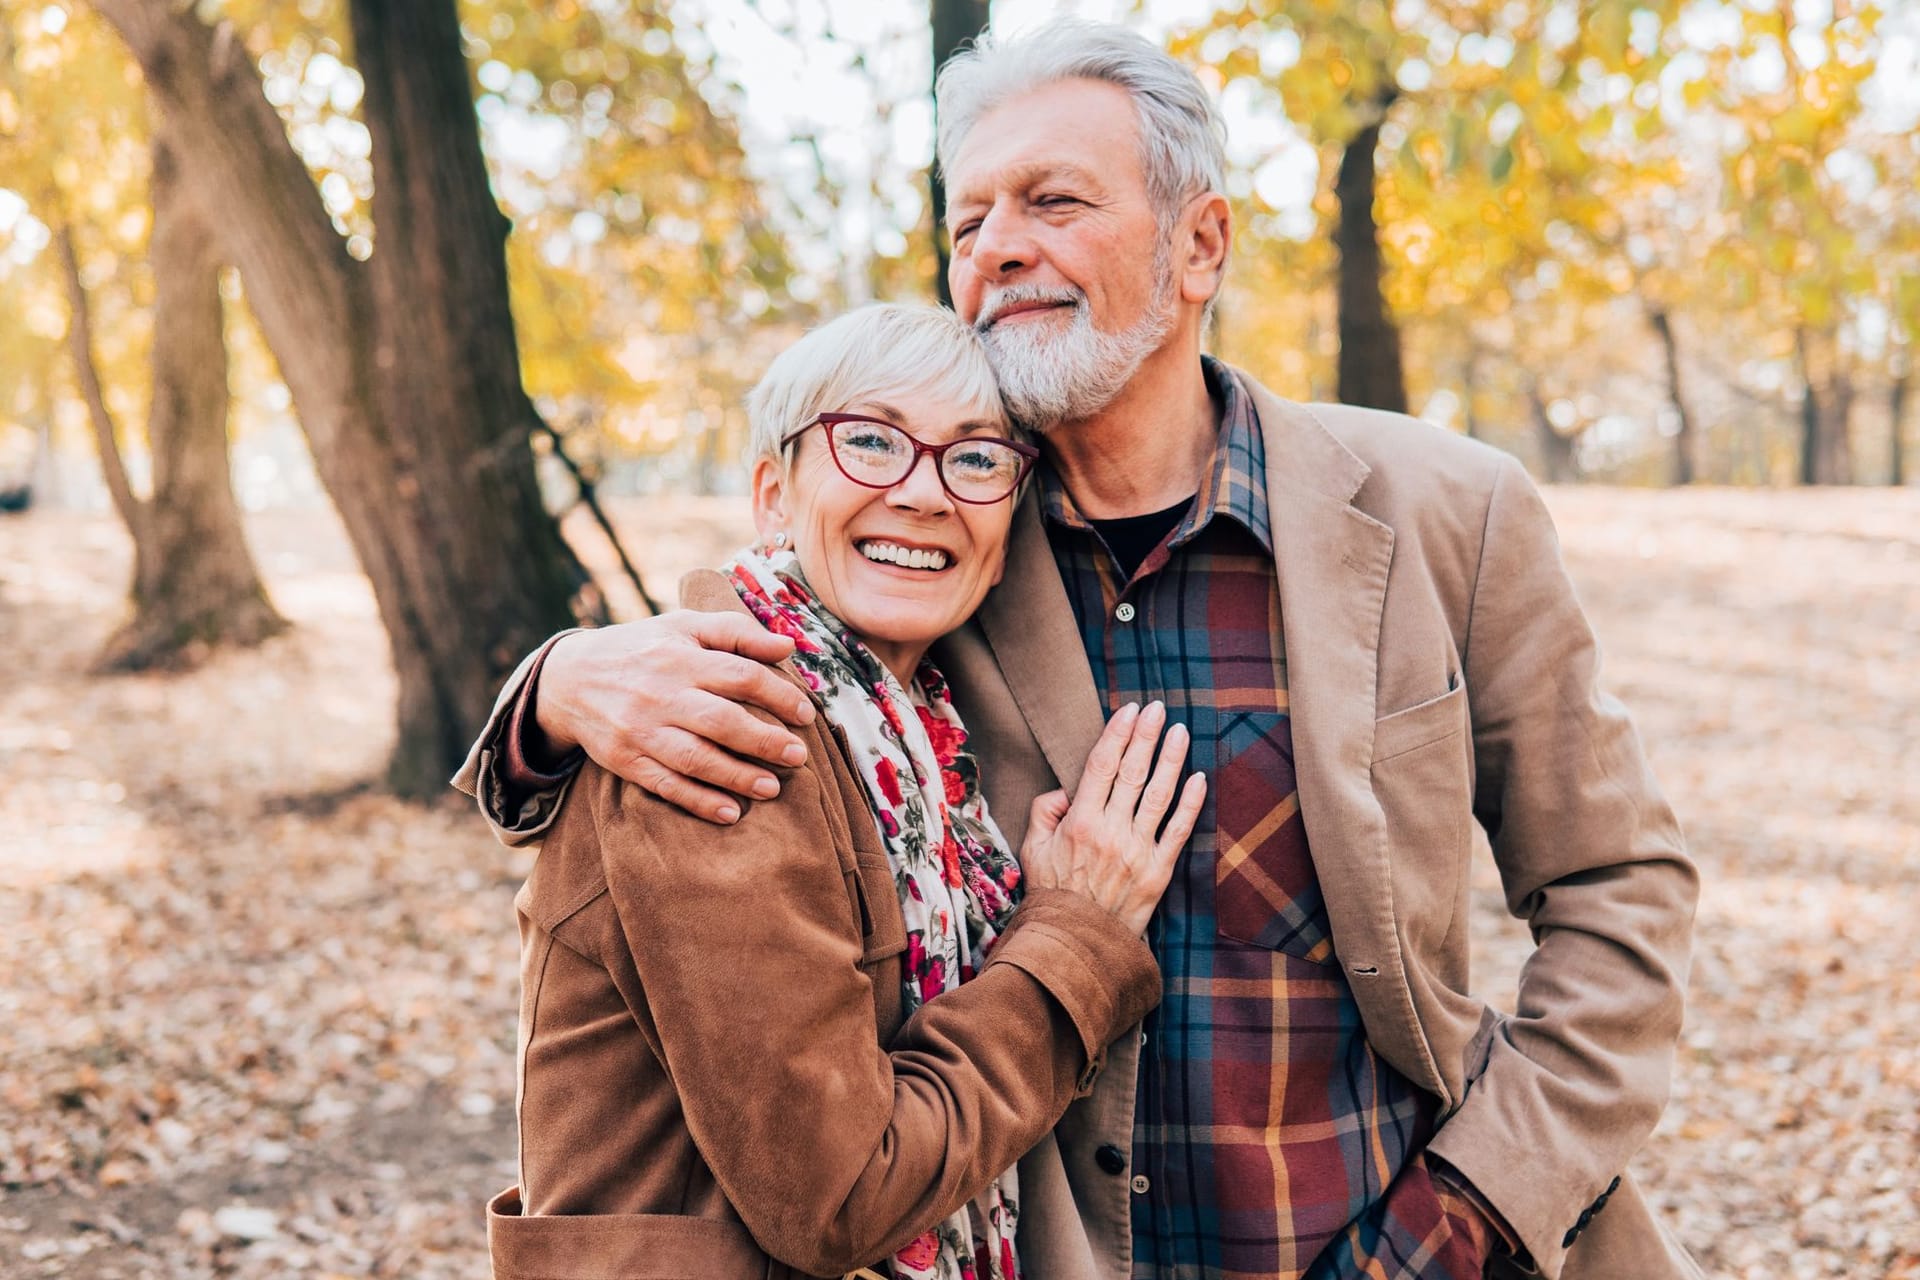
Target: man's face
[[1057, 250]]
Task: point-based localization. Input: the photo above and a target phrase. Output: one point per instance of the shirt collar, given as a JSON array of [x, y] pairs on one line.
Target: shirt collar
[[1235, 485]]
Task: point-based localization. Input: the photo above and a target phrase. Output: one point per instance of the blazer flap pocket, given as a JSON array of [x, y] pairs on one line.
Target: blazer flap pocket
[[1423, 723], [617, 1246]]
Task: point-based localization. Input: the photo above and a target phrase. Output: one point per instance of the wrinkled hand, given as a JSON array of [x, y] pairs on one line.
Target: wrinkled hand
[[1108, 842], [665, 703]]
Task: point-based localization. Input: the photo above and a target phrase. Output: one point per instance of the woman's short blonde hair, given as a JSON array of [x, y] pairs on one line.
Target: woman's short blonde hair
[[868, 354]]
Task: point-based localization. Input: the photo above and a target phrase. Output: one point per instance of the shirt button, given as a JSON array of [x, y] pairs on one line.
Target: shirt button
[[1111, 1159], [1140, 1184], [1125, 612]]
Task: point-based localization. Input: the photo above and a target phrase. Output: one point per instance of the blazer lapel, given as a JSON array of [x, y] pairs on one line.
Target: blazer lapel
[[1332, 560], [1028, 623]]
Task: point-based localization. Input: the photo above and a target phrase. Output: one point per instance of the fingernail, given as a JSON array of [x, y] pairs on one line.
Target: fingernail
[[766, 788], [1156, 708], [729, 814], [806, 714], [795, 754]]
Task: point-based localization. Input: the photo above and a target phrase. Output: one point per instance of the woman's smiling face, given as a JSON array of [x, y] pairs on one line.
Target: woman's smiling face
[[900, 566]]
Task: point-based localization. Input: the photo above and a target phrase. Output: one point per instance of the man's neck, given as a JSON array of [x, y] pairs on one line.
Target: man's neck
[[1147, 450]]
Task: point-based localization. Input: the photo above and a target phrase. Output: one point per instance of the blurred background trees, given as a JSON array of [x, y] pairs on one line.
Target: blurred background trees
[[431, 261]]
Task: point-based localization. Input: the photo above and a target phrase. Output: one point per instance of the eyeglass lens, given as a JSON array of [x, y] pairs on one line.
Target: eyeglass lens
[[876, 454]]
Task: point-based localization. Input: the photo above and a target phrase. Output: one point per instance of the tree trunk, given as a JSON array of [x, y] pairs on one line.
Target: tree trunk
[[1683, 439], [195, 586], [46, 484], [1369, 370], [1897, 417], [954, 23], [1556, 450], [1826, 411], [1470, 391], [404, 369]]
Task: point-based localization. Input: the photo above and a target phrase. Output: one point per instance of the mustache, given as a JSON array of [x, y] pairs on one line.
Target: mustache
[[1020, 295]]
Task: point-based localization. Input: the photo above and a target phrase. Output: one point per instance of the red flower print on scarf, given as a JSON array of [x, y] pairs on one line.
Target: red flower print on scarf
[[956, 786], [889, 780], [947, 738], [920, 1251], [934, 981], [890, 714], [950, 860]]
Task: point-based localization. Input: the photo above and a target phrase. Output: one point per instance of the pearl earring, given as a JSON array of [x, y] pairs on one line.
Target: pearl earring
[[780, 539]]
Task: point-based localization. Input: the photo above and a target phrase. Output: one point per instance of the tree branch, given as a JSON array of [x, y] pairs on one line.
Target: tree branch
[[86, 372]]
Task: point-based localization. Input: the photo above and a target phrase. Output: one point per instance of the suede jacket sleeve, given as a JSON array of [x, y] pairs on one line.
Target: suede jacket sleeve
[[519, 810]]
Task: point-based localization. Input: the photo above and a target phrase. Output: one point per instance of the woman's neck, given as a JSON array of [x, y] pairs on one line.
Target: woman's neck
[[900, 657]]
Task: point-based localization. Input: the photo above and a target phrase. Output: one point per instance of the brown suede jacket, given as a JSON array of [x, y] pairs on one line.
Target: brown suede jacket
[[715, 1078]]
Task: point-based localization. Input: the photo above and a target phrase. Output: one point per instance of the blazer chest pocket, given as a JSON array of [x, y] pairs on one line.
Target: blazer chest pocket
[[1423, 780], [1424, 723], [1266, 892]]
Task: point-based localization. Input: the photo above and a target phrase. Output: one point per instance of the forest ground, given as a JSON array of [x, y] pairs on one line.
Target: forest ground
[[256, 1020]]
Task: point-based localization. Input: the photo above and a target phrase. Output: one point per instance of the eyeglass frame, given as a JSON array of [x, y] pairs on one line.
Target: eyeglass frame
[[1027, 453]]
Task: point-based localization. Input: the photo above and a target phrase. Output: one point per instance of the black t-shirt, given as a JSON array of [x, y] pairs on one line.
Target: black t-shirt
[[1133, 538]]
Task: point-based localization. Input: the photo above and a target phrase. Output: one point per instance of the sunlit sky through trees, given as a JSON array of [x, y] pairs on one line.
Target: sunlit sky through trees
[[1553, 175]]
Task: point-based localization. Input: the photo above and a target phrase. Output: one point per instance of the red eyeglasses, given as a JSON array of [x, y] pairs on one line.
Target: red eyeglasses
[[979, 470]]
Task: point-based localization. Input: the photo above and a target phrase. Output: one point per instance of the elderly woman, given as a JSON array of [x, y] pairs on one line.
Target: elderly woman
[[818, 1040]]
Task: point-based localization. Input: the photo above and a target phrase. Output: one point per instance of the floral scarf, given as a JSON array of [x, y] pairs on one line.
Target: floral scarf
[[957, 881]]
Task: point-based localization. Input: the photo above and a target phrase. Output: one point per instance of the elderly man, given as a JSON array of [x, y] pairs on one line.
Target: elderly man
[[1365, 623]]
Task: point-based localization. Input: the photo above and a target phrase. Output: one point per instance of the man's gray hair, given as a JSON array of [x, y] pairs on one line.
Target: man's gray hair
[[1183, 139], [868, 354]]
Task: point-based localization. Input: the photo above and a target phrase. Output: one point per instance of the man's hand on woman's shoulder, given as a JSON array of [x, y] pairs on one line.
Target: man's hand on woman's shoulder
[[669, 703]]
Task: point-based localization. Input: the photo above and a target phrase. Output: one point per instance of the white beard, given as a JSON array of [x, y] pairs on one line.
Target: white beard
[[1049, 376]]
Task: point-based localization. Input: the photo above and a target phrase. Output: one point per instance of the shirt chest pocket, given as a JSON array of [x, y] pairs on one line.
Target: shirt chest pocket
[[1266, 892]]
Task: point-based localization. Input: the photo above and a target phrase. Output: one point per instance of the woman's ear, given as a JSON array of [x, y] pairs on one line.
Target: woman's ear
[[769, 500]]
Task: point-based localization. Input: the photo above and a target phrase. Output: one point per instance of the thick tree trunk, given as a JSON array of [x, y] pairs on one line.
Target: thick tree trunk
[[482, 560], [1369, 369], [1683, 438], [403, 370], [954, 23], [195, 586]]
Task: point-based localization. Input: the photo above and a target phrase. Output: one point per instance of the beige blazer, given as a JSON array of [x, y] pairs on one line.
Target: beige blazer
[[1440, 673]]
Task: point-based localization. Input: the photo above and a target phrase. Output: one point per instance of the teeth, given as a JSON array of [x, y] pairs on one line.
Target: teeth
[[905, 557]]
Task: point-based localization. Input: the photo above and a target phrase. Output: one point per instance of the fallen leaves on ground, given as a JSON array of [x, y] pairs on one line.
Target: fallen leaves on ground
[[257, 1019]]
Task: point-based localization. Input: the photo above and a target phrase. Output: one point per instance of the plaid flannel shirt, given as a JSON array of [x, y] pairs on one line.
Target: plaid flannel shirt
[[1268, 1133]]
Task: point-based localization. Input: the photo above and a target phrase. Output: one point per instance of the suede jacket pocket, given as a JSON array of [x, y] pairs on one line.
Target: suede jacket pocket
[[625, 1246], [1266, 892]]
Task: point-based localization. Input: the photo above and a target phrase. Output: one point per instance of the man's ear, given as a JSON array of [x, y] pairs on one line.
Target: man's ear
[[1205, 235], [769, 500]]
